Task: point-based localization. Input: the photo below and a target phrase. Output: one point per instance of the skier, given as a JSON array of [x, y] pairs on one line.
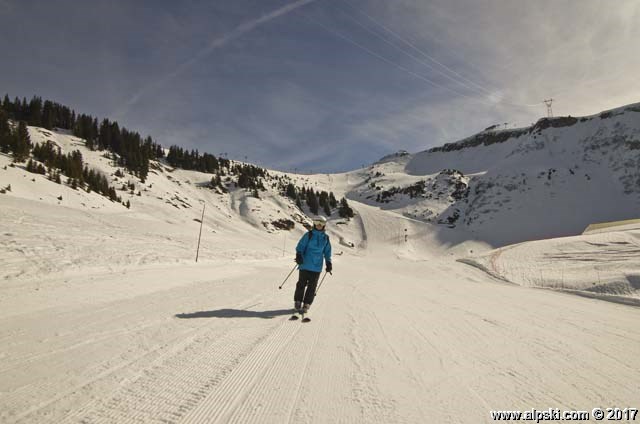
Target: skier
[[310, 251]]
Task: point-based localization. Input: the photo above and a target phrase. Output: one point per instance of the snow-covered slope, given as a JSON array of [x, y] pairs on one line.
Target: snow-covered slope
[[506, 186], [602, 264], [166, 210]]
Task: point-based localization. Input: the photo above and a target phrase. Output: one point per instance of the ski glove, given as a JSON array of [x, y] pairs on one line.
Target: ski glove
[[329, 267], [299, 259]]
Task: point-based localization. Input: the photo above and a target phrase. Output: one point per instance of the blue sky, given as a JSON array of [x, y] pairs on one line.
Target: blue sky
[[321, 85]]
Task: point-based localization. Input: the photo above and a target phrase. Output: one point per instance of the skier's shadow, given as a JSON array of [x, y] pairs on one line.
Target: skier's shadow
[[235, 313]]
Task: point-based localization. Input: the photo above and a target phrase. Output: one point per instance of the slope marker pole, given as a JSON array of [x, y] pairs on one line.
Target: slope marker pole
[[200, 235]]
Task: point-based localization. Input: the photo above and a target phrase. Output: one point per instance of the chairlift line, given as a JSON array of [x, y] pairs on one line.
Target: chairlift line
[[386, 40], [395, 34], [431, 58], [402, 68]]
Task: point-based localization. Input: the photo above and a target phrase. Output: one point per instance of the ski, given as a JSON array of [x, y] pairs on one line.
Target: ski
[[299, 315], [296, 315]]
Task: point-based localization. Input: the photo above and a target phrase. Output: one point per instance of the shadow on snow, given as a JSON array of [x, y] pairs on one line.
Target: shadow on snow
[[236, 313]]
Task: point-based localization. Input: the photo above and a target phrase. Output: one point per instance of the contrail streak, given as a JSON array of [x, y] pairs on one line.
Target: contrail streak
[[213, 45]]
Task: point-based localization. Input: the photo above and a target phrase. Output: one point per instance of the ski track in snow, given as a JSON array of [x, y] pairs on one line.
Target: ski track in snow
[[226, 400], [370, 354], [171, 390], [138, 364]]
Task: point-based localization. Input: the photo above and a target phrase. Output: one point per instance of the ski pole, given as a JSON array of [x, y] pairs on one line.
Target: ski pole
[[318, 289], [285, 280]]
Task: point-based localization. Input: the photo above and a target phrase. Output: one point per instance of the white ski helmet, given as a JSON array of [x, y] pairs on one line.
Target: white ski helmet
[[319, 220]]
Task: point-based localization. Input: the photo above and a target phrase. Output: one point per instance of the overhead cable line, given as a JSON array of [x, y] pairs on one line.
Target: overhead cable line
[[417, 59], [399, 37], [408, 43], [402, 68]]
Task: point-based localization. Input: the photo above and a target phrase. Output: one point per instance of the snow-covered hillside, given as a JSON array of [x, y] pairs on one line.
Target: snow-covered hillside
[[506, 186], [167, 207]]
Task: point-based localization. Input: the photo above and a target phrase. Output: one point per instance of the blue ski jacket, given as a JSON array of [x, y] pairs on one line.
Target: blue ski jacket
[[313, 246]]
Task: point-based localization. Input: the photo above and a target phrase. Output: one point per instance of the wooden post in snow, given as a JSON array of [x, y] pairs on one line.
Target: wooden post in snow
[[200, 235]]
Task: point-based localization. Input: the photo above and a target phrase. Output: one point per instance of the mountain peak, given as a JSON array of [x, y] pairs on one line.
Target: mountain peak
[[393, 156]]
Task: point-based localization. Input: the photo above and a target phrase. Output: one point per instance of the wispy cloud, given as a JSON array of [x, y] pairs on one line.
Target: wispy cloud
[[521, 48], [214, 44]]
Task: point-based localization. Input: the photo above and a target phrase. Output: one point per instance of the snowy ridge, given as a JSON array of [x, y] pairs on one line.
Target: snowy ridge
[[395, 157], [549, 180]]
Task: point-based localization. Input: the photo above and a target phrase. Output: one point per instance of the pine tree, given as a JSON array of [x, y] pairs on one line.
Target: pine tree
[[143, 166], [104, 136], [345, 211], [35, 112], [22, 142], [312, 202], [291, 191], [243, 181], [94, 132], [332, 200], [24, 110], [327, 209], [5, 131], [47, 115]]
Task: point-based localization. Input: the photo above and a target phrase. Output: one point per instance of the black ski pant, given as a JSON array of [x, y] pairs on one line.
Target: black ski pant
[[307, 280]]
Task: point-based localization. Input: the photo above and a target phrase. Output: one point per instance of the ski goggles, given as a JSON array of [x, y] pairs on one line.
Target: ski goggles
[[319, 222]]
